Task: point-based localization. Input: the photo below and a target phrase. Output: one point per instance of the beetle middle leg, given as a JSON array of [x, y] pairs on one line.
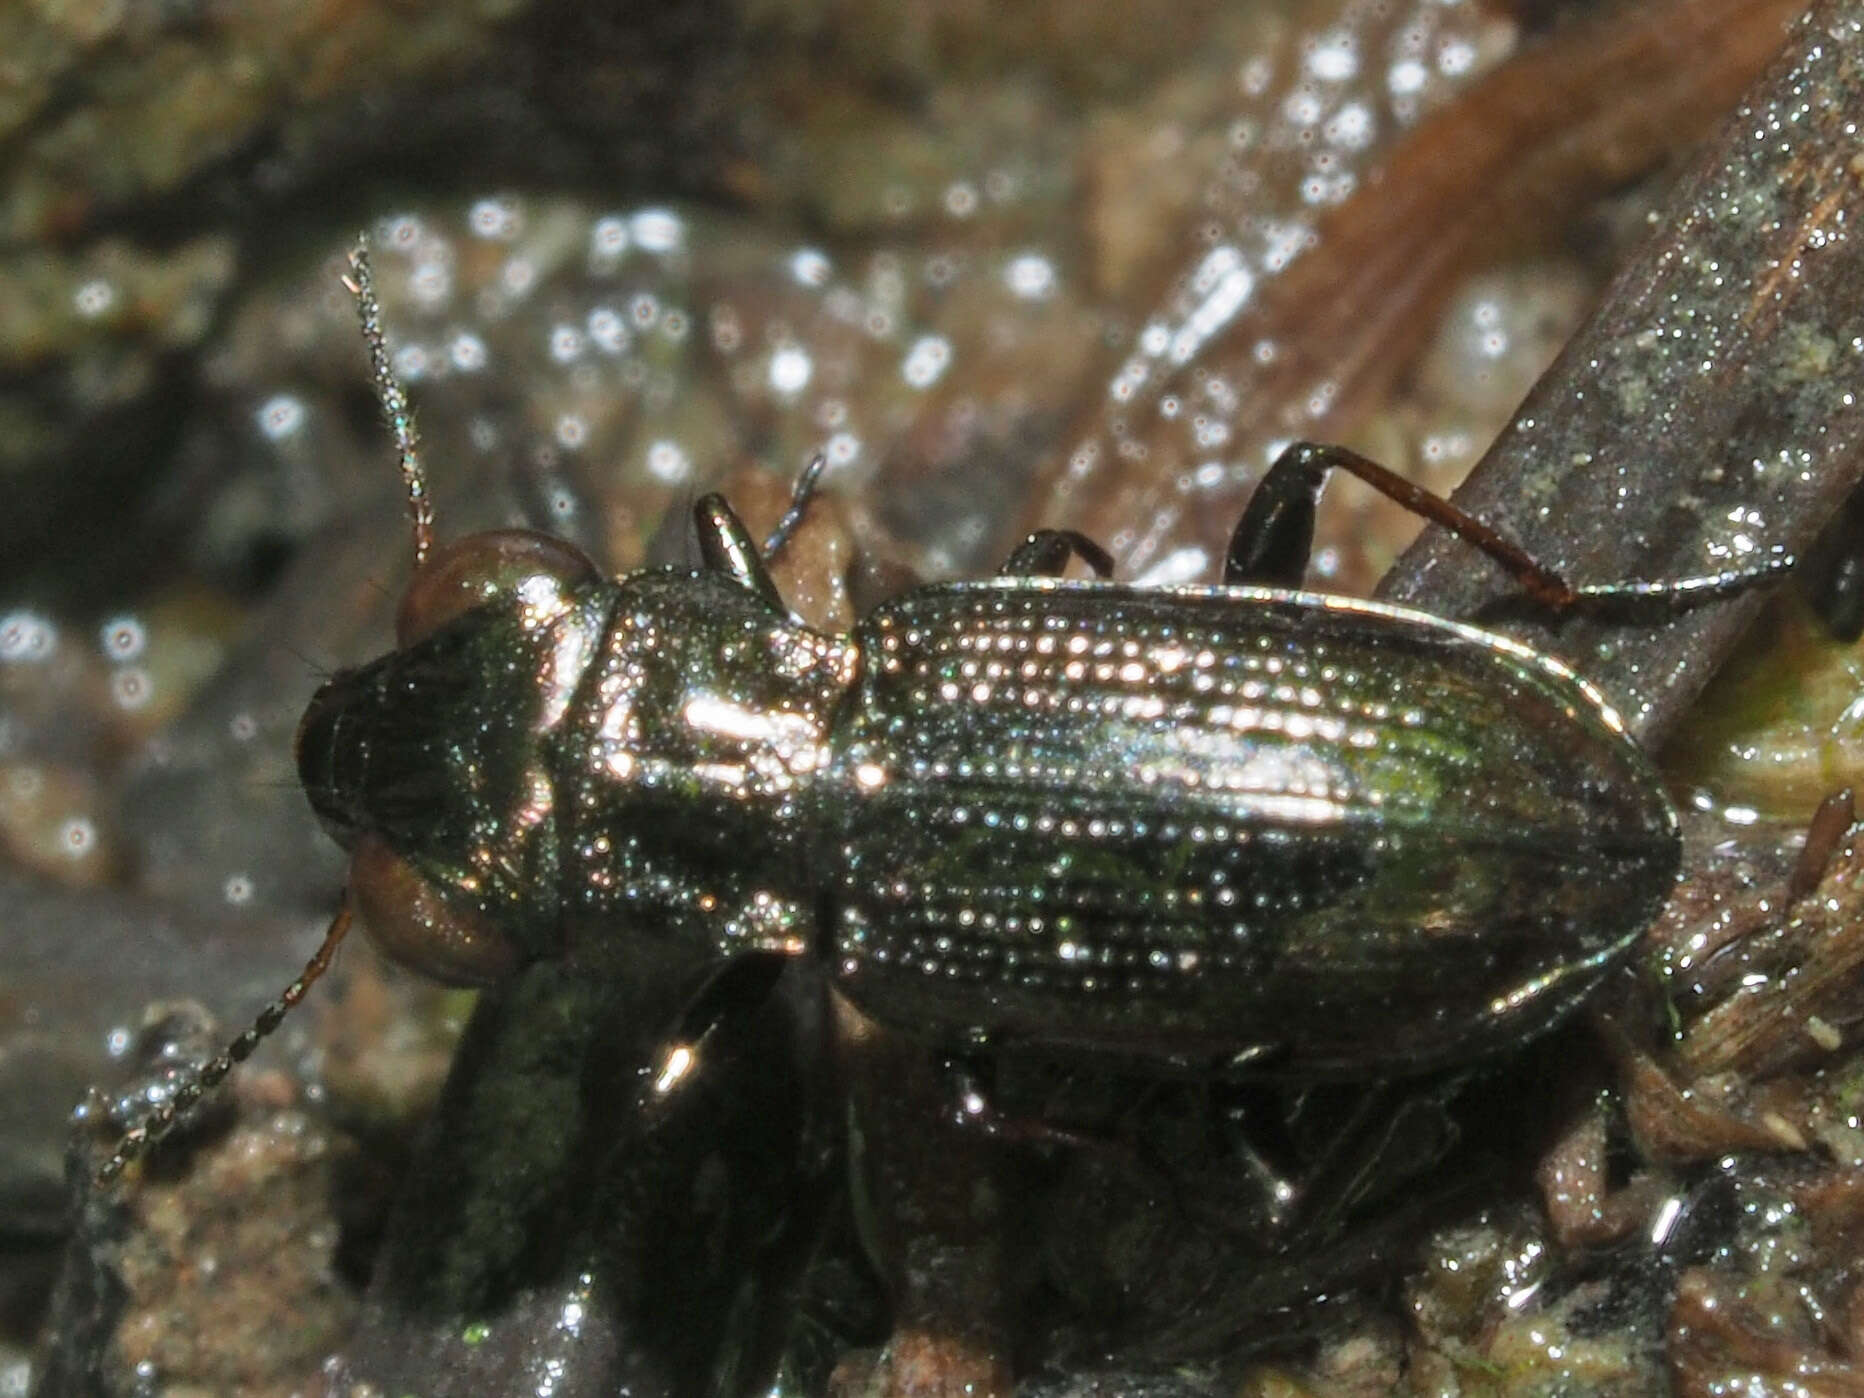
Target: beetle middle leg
[[1352, 1143], [1235, 1208], [1045, 553]]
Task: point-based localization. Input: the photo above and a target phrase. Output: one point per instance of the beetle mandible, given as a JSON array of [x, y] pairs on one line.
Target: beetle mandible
[[1241, 827]]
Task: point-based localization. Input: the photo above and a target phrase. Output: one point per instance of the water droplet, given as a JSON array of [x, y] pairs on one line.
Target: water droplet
[[659, 231], [26, 637], [280, 416], [926, 361], [94, 298], [1030, 276], [810, 267], [500, 218], [790, 368], [123, 637], [668, 463]]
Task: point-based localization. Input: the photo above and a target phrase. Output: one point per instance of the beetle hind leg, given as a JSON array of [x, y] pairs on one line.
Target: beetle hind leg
[[1353, 1146], [1272, 541]]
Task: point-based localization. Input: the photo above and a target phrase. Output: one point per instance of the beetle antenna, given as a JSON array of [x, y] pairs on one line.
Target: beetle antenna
[[800, 495], [140, 1138], [394, 400]]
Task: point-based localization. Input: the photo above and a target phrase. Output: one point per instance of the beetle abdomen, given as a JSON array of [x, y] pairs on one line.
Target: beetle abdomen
[[1193, 821]]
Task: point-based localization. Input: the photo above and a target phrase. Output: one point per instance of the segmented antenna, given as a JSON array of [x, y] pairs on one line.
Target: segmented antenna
[[394, 400], [138, 1140]]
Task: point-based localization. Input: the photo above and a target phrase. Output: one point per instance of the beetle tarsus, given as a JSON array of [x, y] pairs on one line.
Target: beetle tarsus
[[801, 494]]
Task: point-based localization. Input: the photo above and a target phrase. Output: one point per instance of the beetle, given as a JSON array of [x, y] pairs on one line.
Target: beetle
[[1241, 828]]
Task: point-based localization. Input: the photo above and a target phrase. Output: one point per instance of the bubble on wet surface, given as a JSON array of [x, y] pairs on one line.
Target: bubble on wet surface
[[430, 283], [1352, 127], [1455, 57], [607, 331], [94, 298], [26, 637], [1029, 276], [668, 463], [1500, 332], [608, 240], [1181, 566], [131, 688], [411, 363], [790, 370], [1406, 78], [1333, 56], [77, 836], [499, 219], [658, 231], [466, 352], [399, 232], [280, 416], [123, 638], [810, 267], [517, 277], [961, 199], [926, 361]]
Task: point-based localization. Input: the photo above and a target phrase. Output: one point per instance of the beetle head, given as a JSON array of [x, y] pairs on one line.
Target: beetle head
[[429, 765]]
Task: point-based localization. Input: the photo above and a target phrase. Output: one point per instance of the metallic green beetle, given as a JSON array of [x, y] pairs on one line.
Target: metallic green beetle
[[1243, 827]]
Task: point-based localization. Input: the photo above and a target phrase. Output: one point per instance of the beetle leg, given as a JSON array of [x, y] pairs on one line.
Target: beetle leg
[[1388, 1132], [1046, 552], [738, 988], [726, 547], [972, 1110], [800, 495], [1276, 533], [1273, 539]]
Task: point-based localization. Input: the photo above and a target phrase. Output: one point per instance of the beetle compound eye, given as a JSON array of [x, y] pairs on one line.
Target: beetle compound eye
[[414, 926], [481, 568]]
